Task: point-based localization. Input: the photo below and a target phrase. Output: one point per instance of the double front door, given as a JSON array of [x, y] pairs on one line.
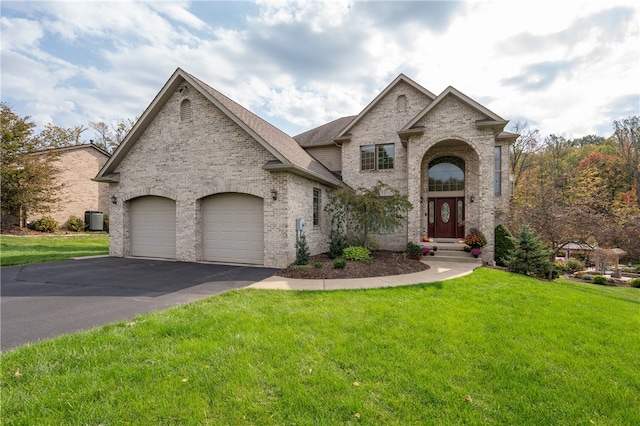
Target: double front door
[[445, 217]]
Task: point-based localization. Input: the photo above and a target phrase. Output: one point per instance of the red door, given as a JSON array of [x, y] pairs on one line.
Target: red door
[[446, 216]]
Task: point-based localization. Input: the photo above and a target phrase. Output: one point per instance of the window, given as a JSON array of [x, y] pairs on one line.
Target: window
[[446, 174], [377, 157], [497, 170], [316, 207], [185, 110]]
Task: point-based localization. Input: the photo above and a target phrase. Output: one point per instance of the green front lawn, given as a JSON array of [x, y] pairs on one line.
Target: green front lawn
[[21, 250], [488, 348]]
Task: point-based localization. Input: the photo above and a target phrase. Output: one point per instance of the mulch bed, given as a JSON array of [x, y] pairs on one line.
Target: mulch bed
[[384, 263]]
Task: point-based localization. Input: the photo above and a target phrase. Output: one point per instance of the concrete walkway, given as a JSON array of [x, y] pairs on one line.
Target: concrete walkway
[[438, 271]]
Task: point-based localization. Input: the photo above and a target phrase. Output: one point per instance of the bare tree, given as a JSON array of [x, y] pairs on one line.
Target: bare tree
[[522, 149], [627, 133], [57, 137], [110, 137]]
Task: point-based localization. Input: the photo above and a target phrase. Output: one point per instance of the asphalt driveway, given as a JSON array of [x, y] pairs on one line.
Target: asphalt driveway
[[45, 300]]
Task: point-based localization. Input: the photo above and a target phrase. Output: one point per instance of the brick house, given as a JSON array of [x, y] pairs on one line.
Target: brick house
[[200, 178], [78, 165]]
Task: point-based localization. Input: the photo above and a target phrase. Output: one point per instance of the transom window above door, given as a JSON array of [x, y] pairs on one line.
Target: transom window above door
[[377, 157], [446, 174]]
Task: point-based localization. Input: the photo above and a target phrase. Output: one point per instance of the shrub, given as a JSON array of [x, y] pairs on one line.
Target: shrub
[[574, 265], [318, 265], [339, 263], [588, 277], [413, 250], [635, 283], [599, 279], [562, 267], [356, 253], [530, 256], [502, 244], [75, 224], [46, 224], [337, 242], [302, 251]]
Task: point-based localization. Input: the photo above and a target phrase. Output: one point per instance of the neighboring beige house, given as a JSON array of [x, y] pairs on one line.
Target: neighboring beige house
[[200, 178], [78, 166]]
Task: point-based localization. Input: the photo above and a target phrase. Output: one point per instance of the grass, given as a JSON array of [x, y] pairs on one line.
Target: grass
[[489, 348], [22, 250]]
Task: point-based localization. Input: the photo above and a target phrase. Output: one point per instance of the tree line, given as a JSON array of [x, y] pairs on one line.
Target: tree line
[[579, 190]]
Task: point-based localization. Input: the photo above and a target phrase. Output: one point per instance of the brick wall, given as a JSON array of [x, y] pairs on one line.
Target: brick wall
[[78, 165], [187, 161]]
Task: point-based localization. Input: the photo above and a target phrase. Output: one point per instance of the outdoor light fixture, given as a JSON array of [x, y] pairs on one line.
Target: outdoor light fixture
[[114, 199], [274, 194], [182, 89], [472, 198]]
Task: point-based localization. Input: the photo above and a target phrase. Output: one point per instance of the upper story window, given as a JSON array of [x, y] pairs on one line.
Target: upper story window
[[402, 103], [316, 207], [377, 157], [497, 170], [185, 110], [446, 174]]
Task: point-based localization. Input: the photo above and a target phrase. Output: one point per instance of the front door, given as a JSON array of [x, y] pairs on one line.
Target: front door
[[446, 217]]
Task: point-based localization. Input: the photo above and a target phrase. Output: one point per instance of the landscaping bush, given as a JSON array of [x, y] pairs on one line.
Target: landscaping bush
[[635, 283], [574, 265], [413, 250], [75, 224], [562, 267], [339, 263], [502, 244], [46, 224], [318, 265], [302, 251], [599, 279], [356, 253], [337, 242]]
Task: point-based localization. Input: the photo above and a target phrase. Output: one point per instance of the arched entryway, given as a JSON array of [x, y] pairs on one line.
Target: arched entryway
[[445, 197]]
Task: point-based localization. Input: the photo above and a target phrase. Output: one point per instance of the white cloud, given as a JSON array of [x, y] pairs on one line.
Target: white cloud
[[302, 63]]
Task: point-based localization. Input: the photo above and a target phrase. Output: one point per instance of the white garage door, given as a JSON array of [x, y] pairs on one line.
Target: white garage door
[[153, 227], [233, 229]]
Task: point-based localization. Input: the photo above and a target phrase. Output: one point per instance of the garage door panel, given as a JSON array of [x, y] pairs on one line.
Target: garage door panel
[[153, 227], [233, 229]]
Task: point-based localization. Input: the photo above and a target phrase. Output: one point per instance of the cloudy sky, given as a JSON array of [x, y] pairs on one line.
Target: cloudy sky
[[566, 67]]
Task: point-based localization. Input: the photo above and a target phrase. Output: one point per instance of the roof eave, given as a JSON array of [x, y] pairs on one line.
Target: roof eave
[[496, 125], [297, 170]]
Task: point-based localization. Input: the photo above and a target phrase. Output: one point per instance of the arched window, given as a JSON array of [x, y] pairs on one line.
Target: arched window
[[185, 110], [402, 103], [446, 174]]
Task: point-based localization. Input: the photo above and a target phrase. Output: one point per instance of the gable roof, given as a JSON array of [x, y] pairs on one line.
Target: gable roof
[[63, 149], [343, 135], [492, 119], [290, 156], [323, 135]]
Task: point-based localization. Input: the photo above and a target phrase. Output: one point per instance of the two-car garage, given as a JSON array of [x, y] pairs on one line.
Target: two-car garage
[[231, 226]]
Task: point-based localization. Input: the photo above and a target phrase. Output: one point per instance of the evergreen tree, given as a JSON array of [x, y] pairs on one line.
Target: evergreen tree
[[503, 245], [529, 255], [302, 251]]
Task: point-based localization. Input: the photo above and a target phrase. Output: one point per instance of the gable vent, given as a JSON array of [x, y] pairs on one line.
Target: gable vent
[[185, 110]]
